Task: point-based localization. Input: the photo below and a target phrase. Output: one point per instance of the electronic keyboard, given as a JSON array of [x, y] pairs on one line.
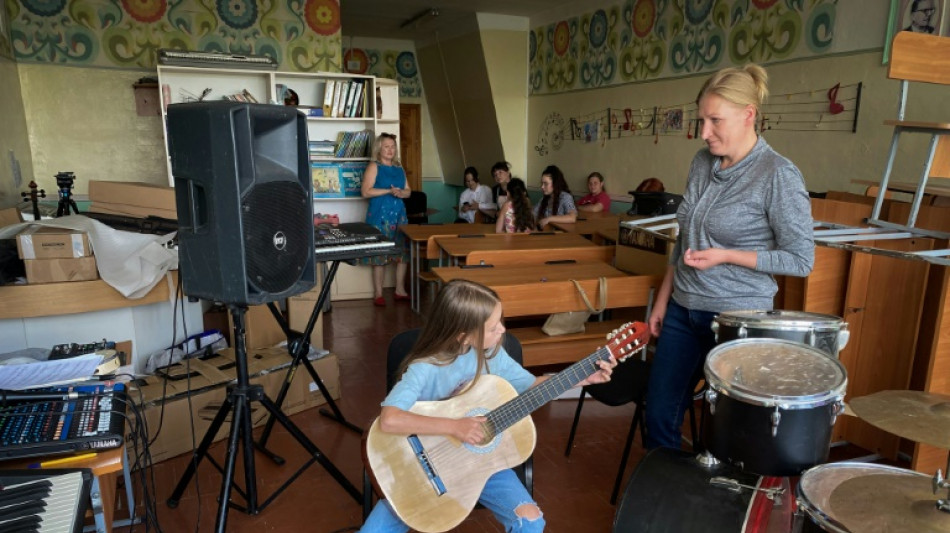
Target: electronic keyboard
[[350, 241], [45, 501]]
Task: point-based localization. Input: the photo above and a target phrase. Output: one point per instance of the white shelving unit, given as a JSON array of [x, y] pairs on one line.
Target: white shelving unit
[[183, 84]]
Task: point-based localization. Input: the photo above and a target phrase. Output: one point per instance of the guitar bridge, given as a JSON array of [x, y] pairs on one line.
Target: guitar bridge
[[423, 458]]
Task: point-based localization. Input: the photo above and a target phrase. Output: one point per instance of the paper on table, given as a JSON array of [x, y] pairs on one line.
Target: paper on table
[[45, 373]]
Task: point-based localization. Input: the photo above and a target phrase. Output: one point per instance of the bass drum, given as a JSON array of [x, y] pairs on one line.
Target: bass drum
[[670, 492], [867, 498], [772, 405], [828, 333]]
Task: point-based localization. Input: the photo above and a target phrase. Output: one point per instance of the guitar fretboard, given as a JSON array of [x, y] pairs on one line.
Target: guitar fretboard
[[505, 415]]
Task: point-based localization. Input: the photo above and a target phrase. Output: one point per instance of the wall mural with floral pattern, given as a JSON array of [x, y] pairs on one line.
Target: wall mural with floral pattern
[[302, 35], [652, 39], [399, 65]]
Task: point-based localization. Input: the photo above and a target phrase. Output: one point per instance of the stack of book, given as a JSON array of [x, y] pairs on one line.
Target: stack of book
[[322, 150], [350, 144], [337, 180], [344, 98]]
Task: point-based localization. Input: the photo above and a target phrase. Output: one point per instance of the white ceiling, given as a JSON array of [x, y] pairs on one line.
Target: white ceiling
[[384, 18]]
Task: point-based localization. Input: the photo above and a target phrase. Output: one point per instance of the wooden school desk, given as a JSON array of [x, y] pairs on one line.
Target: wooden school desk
[[458, 248], [419, 234]]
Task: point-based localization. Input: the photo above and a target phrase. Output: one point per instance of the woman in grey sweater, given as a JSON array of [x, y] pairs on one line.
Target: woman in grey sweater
[[745, 216]]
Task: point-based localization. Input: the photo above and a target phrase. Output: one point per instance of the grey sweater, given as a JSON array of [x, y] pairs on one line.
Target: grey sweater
[[758, 204]]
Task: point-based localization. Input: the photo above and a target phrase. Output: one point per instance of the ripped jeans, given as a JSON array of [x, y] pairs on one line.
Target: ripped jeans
[[503, 493]]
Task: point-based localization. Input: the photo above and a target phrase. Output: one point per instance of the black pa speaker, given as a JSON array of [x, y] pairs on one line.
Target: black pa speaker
[[244, 199]]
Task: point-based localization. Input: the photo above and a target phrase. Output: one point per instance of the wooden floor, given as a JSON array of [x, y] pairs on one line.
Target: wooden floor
[[573, 493]]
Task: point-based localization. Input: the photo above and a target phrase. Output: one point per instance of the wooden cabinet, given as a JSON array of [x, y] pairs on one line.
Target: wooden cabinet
[[378, 113]]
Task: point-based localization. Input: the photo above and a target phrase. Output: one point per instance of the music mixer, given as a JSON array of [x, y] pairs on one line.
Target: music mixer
[[349, 241], [47, 501], [93, 420]]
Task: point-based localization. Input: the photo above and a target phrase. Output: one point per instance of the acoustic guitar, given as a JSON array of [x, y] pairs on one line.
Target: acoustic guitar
[[433, 482]]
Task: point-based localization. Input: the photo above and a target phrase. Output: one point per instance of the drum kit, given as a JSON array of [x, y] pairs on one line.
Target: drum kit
[[775, 388]]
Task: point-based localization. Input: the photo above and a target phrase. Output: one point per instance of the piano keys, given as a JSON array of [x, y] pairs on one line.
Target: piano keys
[[44, 501]]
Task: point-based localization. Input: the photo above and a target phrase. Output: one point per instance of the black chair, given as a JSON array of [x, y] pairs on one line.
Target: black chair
[[627, 384], [417, 207], [399, 348]]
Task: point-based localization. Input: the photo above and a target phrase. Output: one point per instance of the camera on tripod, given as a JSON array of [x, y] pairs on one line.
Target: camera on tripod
[[65, 180]]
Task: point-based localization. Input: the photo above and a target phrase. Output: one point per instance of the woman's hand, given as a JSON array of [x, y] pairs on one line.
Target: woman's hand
[[470, 430], [602, 375], [398, 193], [703, 259], [656, 321], [543, 222]]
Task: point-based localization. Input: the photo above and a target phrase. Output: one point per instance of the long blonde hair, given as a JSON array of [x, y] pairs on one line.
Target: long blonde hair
[[378, 145], [461, 310], [741, 86]]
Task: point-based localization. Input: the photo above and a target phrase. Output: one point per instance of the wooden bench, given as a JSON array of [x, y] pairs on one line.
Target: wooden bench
[[604, 254], [542, 349]]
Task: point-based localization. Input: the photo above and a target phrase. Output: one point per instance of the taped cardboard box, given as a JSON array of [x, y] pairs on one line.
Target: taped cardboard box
[[10, 216], [43, 242], [641, 252], [132, 193], [209, 380], [58, 270]]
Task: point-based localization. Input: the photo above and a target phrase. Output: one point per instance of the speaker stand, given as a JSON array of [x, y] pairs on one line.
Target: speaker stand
[[238, 404], [298, 344]]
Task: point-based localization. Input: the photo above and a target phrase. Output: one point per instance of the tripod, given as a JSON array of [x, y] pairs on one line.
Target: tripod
[[238, 404], [64, 180]]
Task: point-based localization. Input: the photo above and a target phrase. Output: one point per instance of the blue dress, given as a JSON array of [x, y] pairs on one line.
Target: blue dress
[[387, 212]]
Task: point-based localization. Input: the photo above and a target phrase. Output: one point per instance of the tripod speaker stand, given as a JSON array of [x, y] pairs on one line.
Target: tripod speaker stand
[[238, 404]]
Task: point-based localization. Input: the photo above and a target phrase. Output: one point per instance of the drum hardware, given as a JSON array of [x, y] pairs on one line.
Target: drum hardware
[[707, 459], [773, 494], [939, 482]]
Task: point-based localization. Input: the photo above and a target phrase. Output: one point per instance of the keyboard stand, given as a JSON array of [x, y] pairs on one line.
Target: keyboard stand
[[298, 345]]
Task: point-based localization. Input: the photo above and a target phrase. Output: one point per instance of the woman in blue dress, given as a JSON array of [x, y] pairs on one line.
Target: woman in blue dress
[[385, 184]]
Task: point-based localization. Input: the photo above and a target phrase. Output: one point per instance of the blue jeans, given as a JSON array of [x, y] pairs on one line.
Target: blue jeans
[[681, 350], [503, 493]]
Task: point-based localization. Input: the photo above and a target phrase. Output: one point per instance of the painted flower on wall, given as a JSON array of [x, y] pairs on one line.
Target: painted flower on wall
[[240, 14], [598, 28], [597, 52], [644, 15], [406, 65], [145, 10], [44, 8], [562, 38], [697, 10], [323, 16]]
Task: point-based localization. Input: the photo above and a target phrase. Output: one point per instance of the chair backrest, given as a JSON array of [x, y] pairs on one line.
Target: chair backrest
[[417, 207], [920, 57], [402, 343], [628, 383]]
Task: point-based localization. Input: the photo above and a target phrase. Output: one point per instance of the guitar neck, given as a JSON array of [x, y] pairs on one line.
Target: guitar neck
[[505, 415]]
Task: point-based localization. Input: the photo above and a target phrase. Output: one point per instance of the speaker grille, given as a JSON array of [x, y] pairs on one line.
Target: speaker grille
[[276, 220]]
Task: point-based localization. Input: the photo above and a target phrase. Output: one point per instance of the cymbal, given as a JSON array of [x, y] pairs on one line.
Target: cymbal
[[919, 416], [882, 503]]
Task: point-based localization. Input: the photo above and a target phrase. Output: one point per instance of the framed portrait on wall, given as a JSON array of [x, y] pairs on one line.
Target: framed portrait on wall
[[922, 16]]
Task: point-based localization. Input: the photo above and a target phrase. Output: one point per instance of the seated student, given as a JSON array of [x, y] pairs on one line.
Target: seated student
[[474, 196], [516, 215], [501, 171], [598, 200], [651, 185], [557, 205], [461, 341]]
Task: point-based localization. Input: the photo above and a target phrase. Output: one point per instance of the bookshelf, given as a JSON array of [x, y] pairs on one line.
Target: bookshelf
[[352, 114]]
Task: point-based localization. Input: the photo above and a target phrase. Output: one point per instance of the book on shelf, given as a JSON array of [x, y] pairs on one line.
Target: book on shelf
[[328, 97], [351, 172], [338, 96]]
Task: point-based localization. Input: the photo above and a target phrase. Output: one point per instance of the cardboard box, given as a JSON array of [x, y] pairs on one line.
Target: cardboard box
[[299, 309], [132, 211], [640, 252], [44, 242], [209, 379], [57, 270], [10, 216], [261, 329], [132, 193]]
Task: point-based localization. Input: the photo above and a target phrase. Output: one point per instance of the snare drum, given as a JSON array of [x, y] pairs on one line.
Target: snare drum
[[670, 492], [865, 497], [772, 404], [826, 332]]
